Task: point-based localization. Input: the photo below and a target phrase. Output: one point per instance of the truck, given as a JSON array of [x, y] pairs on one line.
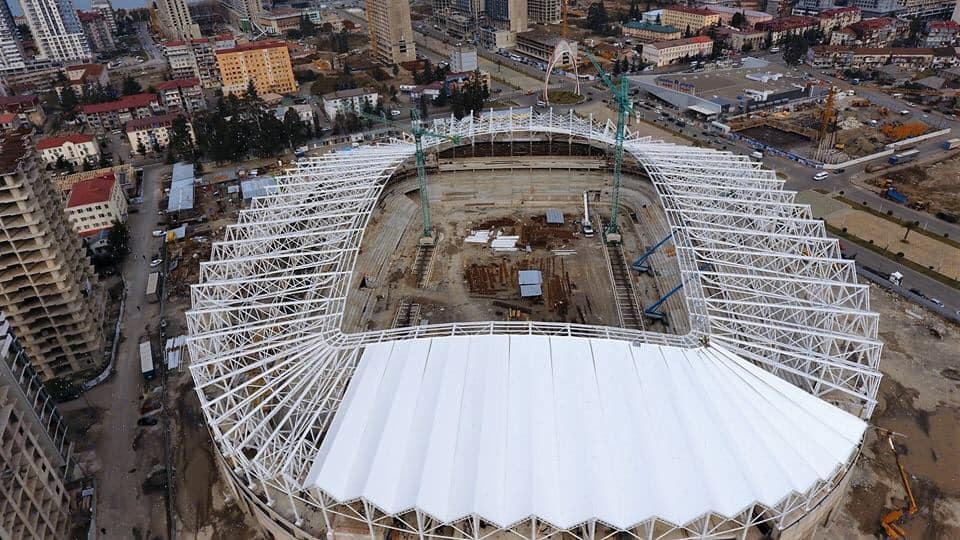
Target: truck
[[894, 195], [950, 144], [895, 277], [153, 287], [903, 157], [146, 360], [586, 226]]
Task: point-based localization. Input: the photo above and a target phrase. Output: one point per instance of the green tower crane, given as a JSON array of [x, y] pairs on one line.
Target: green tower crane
[[418, 131], [621, 95]]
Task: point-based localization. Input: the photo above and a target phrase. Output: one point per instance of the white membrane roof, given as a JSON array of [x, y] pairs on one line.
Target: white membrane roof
[[570, 429]]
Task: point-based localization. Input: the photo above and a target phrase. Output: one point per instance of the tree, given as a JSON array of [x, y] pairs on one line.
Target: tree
[[294, 128], [118, 242], [130, 86], [738, 20], [634, 12], [909, 226], [251, 94], [597, 18], [63, 165], [307, 28], [68, 99], [794, 49], [181, 141], [423, 106], [396, 70]]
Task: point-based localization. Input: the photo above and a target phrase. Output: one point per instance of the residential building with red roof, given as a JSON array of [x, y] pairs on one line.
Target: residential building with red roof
[[196, 59], [792, 25], [871, 57], [27, 107], [75, 148], [96, 204], [940, 34], [878, 32], [114, 114], [152, 134], [83, 76], [182, 95], [10, 121], [837, 18], [665, 53]]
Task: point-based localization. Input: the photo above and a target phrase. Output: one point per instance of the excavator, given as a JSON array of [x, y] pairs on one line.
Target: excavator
[[892, 520]]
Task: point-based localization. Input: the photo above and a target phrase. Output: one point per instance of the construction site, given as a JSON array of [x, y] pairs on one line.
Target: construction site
[[500, 221], [834, 129]]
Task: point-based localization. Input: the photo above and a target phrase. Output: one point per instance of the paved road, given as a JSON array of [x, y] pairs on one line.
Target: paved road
[[121, 505]]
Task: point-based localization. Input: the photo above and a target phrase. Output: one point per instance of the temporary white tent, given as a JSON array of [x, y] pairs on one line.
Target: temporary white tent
[[571, 429]]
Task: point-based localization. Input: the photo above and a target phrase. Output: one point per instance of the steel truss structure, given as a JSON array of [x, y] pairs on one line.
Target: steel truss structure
[[271, 364]]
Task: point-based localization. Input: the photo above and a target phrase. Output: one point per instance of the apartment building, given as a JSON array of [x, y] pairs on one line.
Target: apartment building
[[96, 204], [750, 17], [872, 57], [391, 34], [48, 289], [785, 27], [152, 134], [35, 499], [114, 114], [877, 32], [689, 20], [742, 40], [647, 32], [665, 53], [940, 34], [182, 95], [838, 18], [242, 13], [97, 30], [77, 149], [277, 22], [543, 11], [540, 45], [196, 58], [345, 101], [266, 63], [11, 48], [511, 16], [175, 20], [56, 30], [105, 8]]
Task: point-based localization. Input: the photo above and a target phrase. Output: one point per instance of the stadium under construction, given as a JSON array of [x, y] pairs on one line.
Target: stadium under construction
[[709, 375]]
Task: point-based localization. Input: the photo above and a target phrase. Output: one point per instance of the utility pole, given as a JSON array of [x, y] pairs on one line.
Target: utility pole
[[417, 130]]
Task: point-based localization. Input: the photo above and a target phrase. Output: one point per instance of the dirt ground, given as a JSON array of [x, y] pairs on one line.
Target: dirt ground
[[936, 183], [920, 399]]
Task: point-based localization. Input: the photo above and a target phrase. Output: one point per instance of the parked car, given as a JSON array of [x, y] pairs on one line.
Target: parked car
[[159, 232]]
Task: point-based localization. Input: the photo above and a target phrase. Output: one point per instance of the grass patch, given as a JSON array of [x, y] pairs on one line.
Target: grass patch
[[893, 256], [893, 219], [564, 97]]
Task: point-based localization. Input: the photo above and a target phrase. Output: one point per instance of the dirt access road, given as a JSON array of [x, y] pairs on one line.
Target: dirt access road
[[122, 506]]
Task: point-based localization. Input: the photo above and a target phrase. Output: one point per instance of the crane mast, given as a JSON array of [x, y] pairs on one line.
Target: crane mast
[[621, 95], [417, 131]]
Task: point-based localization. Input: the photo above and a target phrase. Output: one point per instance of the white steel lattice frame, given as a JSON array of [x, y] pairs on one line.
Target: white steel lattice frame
[[271, 363]]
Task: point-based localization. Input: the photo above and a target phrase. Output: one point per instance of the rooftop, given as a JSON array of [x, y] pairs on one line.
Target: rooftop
[[149, 122], [678, 42], [651, 27], [55, 142], [18, 101], [92, 191], [873, 24], [7, 117], [829, 13], [126, 102], [255, 46], [788, 23], [349, 93], [14, 148], [692, 10]]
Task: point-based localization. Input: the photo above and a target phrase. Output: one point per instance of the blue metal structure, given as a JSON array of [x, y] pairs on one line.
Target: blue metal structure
[[639, 263], [652, 310]]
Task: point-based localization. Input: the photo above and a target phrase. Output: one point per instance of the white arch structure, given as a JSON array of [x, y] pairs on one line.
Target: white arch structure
[[563, 46], [764, 287]]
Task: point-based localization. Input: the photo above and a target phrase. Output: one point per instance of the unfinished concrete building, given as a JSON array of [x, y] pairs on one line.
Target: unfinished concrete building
[[35, 459], [47, 285]]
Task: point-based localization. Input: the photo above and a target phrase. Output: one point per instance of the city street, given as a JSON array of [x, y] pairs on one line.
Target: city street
[[121, 503]]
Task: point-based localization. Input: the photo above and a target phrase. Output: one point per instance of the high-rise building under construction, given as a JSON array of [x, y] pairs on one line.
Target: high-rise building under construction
[[391, 34], [47, 285]]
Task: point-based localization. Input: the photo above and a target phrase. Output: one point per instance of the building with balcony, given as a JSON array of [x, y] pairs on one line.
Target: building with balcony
[[77, 149], [114, 114], [182, 95], [689, 20], [96, 204], [152, 134], [48, 289], [665, 53], [265, 63]]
